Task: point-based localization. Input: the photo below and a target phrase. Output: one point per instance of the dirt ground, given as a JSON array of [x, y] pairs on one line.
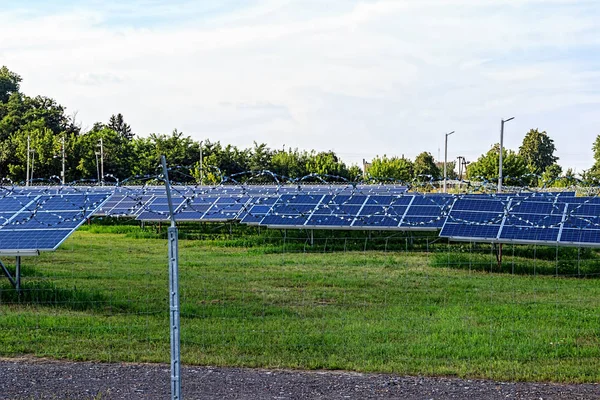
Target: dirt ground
[[31, 378]]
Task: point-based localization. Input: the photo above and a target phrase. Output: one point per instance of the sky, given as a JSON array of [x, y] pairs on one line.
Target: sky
[[361, 78]]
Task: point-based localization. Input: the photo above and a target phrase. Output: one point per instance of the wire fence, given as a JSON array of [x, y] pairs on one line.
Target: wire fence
[[379, 301]]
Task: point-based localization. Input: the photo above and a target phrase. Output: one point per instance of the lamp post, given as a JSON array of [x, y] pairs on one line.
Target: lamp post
[[201, 166], [97, 153], [446, 160], [62, 174], [501, 151], [101, 145], [28, 151], [32, 163], [62, 150]]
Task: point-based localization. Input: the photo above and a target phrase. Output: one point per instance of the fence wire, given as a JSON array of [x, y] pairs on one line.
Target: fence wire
[[371, 301]]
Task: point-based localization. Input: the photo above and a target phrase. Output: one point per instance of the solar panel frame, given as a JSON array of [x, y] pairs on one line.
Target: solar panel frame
[[20, 239]]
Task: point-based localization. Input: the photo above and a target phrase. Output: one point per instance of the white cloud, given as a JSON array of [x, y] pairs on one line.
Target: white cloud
[[362, 78]]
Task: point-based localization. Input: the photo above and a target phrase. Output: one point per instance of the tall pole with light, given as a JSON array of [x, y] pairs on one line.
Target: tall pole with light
[[28, 151], [62, 174], [101, 145], [446, 160], [501, 151], [201, 166]]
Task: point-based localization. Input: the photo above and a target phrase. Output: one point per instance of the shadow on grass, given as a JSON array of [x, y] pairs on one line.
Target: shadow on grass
[[525, 263], [47, 294]]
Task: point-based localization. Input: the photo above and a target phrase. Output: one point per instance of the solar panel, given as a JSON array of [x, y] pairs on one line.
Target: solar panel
[[157, 209], [475, 218], [336, 211], [45, 221], [225, 208], [291, 210], [539, 219], [256, 209], [427, 212]]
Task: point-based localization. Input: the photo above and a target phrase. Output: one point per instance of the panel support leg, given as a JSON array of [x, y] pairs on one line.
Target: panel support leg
[[16, 280], [18, 274]]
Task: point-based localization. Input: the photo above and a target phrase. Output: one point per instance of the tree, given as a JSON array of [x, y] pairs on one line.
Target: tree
[[9, 83], [326, 163], [117, 124], [594, 172], [424, 166], [551, 175], [290, 163], [538, 151], [260, 157], [118, 154], [395, 168], [514, 168]]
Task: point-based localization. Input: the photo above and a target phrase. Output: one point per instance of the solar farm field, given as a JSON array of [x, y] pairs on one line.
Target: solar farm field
[[363, 301]]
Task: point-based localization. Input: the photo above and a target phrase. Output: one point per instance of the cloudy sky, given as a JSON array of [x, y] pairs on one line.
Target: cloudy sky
[[362, 78]]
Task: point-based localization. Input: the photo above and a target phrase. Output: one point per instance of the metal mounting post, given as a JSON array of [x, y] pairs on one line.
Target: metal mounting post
[[14, 280], [173, 293]]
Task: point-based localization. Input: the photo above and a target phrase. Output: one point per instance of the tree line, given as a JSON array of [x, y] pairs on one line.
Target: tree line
[[40, 127]]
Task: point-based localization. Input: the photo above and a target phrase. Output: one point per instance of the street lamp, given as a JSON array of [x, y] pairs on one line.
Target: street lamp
[[501, 151], [101, 154], [97, 153], [62, 150], [446, 159], [201, 167]]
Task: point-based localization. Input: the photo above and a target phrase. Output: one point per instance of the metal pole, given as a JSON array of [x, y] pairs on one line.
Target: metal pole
[[101, 162], [18, 273], [27, 172], [97, 167], [201, 166], [63, 160], [173, 294], [446, 160], [501, 151], [32, 163]]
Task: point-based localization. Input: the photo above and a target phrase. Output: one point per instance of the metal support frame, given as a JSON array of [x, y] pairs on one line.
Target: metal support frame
[[14, 280], [173, 293]]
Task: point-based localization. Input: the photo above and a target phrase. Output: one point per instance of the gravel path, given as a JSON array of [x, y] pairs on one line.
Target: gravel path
[[30, 378]]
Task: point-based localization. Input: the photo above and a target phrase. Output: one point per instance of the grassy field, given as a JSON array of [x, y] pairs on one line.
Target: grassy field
[[273, 301]]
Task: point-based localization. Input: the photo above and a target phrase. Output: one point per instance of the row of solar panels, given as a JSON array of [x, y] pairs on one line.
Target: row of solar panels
[[33, 223], [564, 220], [42, 221], [219, 190]]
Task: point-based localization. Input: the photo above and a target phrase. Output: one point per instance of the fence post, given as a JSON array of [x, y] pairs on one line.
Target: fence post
[[173, 293]]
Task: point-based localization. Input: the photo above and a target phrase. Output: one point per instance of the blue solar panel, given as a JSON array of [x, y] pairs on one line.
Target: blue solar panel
[[45, 221], [473, 218], [534, 219], [485, 232], [255, 212], [292, 210]]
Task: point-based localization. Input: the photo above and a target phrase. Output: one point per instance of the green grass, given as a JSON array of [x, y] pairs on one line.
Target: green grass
[[272, 301]]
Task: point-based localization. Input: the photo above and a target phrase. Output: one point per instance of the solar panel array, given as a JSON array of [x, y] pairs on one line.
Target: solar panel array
[[41, 222], [41, 218], [528, 220], [399, 212]]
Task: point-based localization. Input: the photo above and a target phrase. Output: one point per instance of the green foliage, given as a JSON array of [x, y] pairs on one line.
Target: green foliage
[[290, 163], [117, 124], [9, 83], [551, 175], [514, 168], [424, 165], [401, 169], [118, 153], [594, 172], [538, 151]]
